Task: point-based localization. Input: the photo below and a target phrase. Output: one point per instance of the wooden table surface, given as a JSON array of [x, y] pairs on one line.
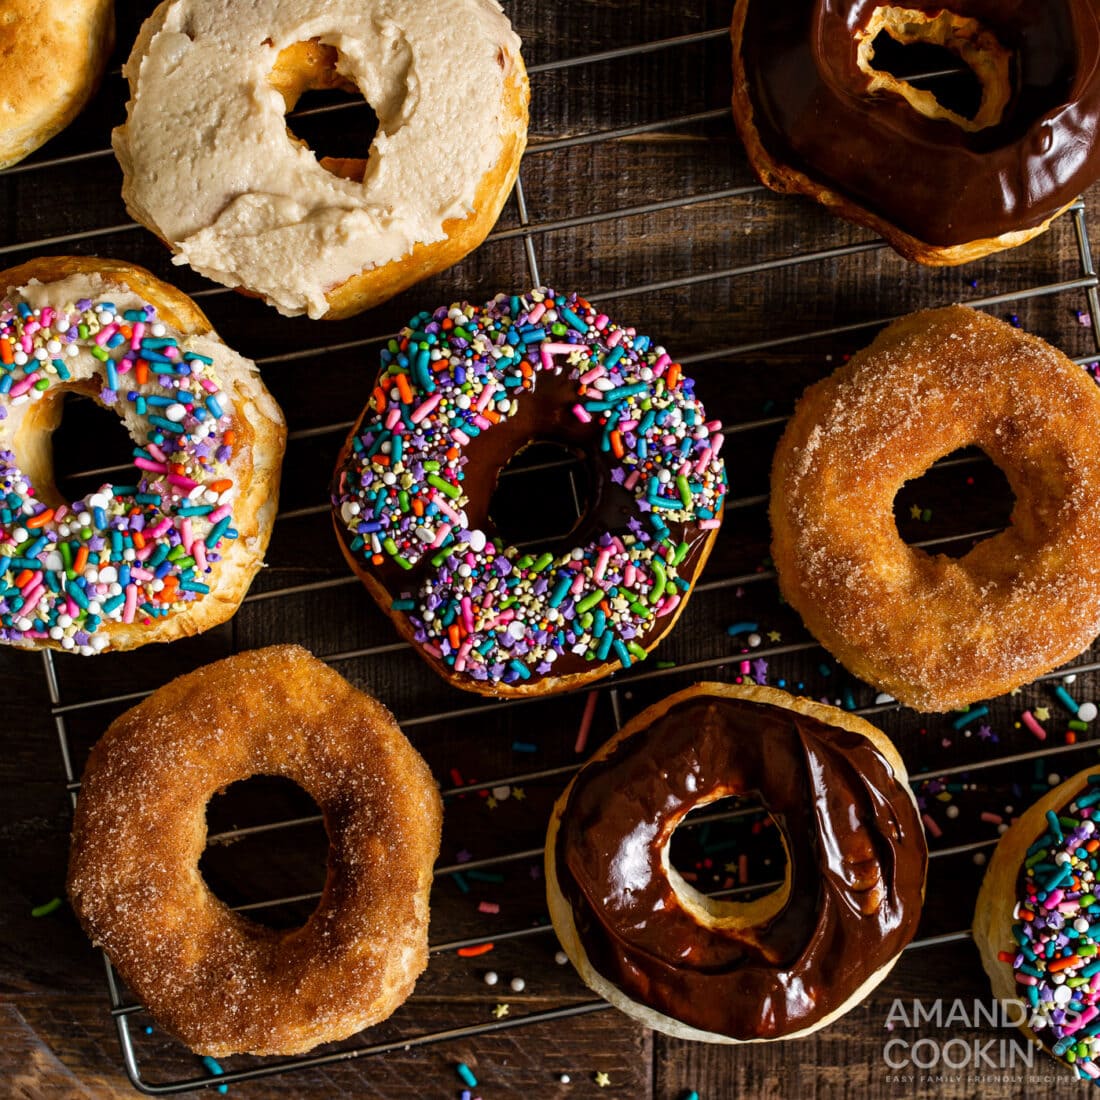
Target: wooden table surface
[[662, 225]]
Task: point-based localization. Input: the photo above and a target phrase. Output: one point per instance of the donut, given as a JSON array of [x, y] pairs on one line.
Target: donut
[[208, 975], [54, 53], [210, 167], [1037, 923], [933, 631], [780, 966], [460, 392], [172, 550], [819, 119]]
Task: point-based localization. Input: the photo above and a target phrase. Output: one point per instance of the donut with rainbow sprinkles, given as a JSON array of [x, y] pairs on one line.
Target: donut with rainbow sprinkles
[[171, 548], [461, 391]]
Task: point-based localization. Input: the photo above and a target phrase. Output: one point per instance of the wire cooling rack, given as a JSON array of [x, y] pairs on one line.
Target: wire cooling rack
[[1080, 290]]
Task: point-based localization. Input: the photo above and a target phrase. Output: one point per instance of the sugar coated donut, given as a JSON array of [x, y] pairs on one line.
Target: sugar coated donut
[[54, 53], [171, 551], [220, 982], [777, 967], [934, 631], [210, 167], [1037, 923], [822, 118], [460, 392]]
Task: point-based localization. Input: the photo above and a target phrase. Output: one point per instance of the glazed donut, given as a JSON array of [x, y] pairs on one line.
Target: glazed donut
[[54, 53], [462, 390], [818, 118], [210, 167], [778, 967], [1037, 923], [173, 551], [933, 631], [220, 982]]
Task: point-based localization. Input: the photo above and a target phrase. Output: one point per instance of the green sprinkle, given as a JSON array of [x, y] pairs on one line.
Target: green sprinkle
[[46, 908]]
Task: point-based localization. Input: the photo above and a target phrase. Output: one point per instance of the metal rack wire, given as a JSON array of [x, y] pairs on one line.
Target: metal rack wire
[[529, 231]]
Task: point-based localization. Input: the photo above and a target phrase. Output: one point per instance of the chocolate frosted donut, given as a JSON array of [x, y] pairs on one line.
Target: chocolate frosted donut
[[787, 963], [818, 118]]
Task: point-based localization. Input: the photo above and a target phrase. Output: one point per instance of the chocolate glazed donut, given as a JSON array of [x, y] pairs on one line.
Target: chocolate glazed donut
[[818, 118], [787, 963]]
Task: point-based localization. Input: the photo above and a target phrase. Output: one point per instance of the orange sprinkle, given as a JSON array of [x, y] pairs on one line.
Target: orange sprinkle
[[7, 355], [221, 485], [673, 376], [377, 559], [1071, 737], [139, 540], [379, 399], [80, 560], [477, 949], [141, 372], [229, 438], [404, 389], [617, 444], [1092, 845], [40, 520], [452, 453], [491, 415], [23, 578], [453, 636], [1063, 964], [417, 506]]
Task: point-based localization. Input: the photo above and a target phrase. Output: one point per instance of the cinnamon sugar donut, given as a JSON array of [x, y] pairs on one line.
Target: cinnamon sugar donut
[[782, 965], [933, 631], [53, 53], [820, 117], [220, 982], [210, 167]]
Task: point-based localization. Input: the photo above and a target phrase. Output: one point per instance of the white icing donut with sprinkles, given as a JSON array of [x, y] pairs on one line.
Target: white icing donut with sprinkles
[[462, 390], [172, 551]]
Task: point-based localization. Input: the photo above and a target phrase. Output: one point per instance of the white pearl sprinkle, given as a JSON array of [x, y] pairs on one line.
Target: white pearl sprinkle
[[518, 985], [491, 977], [1086, 712]]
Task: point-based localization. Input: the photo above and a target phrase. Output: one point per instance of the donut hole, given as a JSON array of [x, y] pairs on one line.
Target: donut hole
[[542, 494], [728, 857], [958, 495], [963, 73], [326, 112], [252, 865], [73, 446]]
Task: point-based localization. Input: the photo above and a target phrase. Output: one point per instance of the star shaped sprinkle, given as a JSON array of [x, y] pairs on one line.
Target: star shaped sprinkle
[[774, 635], [519, 794], [1041, 714], [500, 1011], [915, 511], [602, 1079]]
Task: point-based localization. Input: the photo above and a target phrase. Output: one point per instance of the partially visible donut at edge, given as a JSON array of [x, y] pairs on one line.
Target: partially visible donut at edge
[[822, 118], [461, 391], [169, 548], [210, 166], [53, 54], [934, 631]]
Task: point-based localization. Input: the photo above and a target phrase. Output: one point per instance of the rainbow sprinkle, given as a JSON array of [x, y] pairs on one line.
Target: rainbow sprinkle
[[489, 610], [125, 553], [1057, 958]]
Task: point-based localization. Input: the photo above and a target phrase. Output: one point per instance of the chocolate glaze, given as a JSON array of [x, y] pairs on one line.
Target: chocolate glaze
[[856, 866], [928, 177], [543, 416]]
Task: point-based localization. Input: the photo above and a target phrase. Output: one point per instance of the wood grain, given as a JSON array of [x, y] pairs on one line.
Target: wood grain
[[58, 1037]]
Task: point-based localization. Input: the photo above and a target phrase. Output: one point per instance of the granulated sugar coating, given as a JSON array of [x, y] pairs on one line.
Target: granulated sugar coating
[[935, 632], [220, 982]]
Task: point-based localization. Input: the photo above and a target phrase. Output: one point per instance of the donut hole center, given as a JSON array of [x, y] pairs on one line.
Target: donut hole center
[[69, 445], [272, 875], [326, 112], [728, 856], [945, 66], [542, 494], [955, 497]]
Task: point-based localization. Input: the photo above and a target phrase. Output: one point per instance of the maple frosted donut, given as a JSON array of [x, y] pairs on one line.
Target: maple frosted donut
[[938, 632], [1037, 922], [780, 966], [171, 550], [211, 168], [460, 392], [822, 118], [218, 980], [54, 52]]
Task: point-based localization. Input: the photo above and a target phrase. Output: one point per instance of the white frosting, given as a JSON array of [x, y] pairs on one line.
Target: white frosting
[[210, 167]]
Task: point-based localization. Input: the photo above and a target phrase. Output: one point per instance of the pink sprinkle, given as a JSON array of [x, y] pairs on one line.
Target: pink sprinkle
[[615, 338], [709, 524], [187, 535], [159, 529], [463, 652], [1053, 898], [668, 605], [439, 501], [482, 423], [156, 467], [105, 334], [21, 388], [433, 651], [931, 826], [460, 437], [582, 414], [486, 396], [992, 819], [1026, 979], [138, 334], [488, 907], [601, 321], [704, 458], [218, 514], [182, 482], [632, 480], [425, 407], [142, 574], [156, 452], [71, 607], [590, 376], [586, 721], [629, 573], [467, 615], [602, 559], [537, 310], [1029, 720], [209, 385], [745, 668], [444, 530], [30, 598], [1089, 1067], [130, 606], [716, 442], [392, 417], [578, 585], [662, 362], [34, 579], [198, 552]]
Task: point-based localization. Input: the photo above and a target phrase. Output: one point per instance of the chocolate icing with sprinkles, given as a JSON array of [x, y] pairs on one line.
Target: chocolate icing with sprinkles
[[460, 391]]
